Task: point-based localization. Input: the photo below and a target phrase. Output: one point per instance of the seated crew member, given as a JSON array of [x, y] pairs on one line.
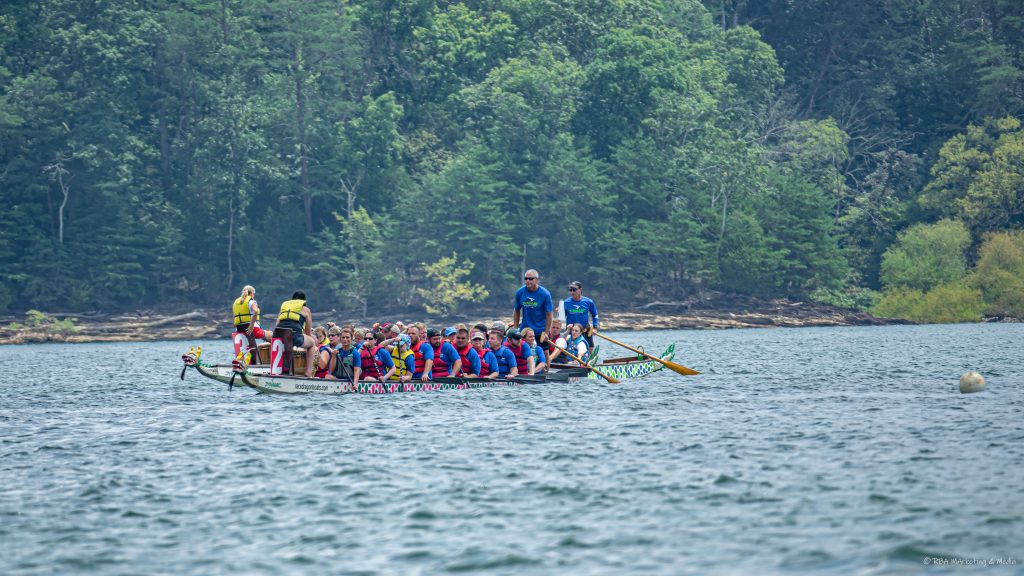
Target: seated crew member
[[374, 359], [403, 359], [469, 360], [446, 359], [525, 360], [325, 359], [488, 361], [246, 314], [505, 358], [555, 340], [576, 343], [347, 365], [423, 352], [296, 316], [530, 339], [449, 334]]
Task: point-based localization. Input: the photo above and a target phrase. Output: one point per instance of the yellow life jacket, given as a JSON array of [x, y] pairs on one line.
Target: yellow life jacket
[[240, 310], [399, 359], [292, 310]]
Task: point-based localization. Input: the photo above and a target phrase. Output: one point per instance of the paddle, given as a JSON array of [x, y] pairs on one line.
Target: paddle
[[582, 363], [677, 368]]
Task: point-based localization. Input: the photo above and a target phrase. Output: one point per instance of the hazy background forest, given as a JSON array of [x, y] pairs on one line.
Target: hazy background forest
[[864, 154]]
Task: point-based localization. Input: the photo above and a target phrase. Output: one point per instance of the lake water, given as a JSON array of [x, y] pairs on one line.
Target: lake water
[[845, 450]]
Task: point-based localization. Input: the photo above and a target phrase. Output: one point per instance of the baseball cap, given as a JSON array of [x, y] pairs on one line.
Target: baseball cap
[[449, 331], [498, 325], [514, 334], [404, 339], [478, 336], [431, 332]]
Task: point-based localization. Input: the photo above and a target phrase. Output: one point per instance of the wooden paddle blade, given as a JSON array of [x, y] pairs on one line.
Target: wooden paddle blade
[[679, 368]]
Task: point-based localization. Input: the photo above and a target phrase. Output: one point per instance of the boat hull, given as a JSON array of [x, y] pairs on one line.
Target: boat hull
[[301, 385], [623, 368]]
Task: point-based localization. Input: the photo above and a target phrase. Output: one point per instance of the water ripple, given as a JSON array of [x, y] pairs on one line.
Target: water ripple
[[811, 450]]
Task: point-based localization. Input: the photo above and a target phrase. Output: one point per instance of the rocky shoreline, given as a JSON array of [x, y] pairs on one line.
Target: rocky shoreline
[[148, 325]]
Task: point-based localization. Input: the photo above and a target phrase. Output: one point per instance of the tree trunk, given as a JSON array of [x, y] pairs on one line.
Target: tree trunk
[[231, 239], [300, 125]]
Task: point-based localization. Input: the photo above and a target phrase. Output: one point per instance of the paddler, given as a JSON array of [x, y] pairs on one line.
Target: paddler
[[523, 353], [533, 306], [488, 361], [375, 359], [555, 340], [446, 359], [530, 339], [348, 365], [297, 317], [503, 356], [325, 352], [469, 360], [576, 343], [423, 353], [403, 359]]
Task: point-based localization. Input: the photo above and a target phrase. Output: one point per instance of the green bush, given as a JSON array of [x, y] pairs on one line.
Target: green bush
[[39, 322], [855, 298], [898, 303], [999, 274], [926, 256], [951, 303], [945, 304]]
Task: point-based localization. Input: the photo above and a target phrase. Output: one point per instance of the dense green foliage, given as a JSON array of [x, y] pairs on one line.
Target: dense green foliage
[[653, 149]]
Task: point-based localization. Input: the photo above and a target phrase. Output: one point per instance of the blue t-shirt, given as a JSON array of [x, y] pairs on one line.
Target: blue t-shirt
[[506, 360], [538, 351], [448, 354], [490, 359], [428, 354], [535, 307], [384, 360], [580, 312]]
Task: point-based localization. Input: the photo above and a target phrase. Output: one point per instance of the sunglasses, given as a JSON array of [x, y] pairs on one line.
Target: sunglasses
[[369, 338], [529, 277], [573, 289]]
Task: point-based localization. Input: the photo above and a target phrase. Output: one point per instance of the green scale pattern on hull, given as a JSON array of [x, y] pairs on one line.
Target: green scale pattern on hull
[[636, 369]]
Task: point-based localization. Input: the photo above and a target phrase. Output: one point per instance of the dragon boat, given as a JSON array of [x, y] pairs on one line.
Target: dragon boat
[[625, 368], [259, 378]]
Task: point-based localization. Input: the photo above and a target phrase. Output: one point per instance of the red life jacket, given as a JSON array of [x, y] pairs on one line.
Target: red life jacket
[[323, 371], [368, 360], [466, 364], [440, 369], [521, 364], [418, 357], [485, 370]]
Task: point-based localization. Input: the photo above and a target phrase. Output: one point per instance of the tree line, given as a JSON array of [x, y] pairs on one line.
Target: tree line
[[382, 153]]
